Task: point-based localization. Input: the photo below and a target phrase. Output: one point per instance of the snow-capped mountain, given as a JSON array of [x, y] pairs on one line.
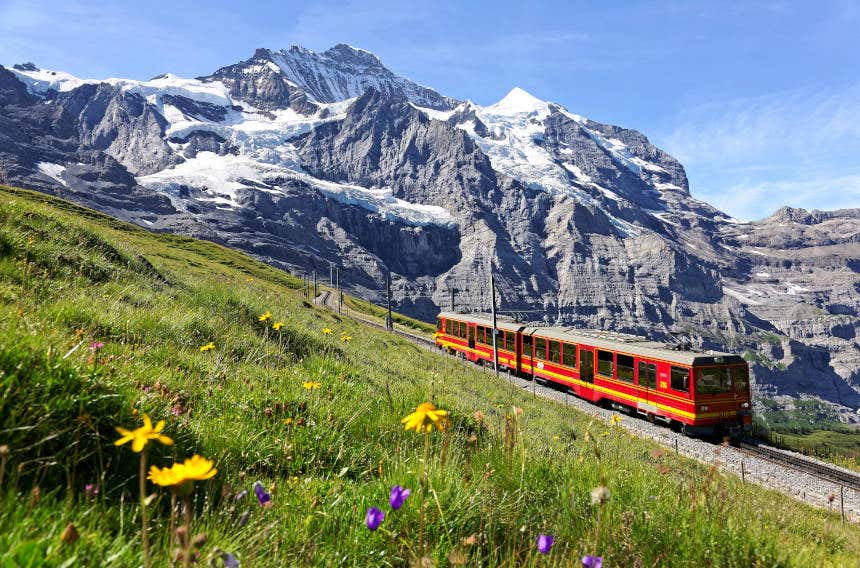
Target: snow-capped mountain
[[305, 159]]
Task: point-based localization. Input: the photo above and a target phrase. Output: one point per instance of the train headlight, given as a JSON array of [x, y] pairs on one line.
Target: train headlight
[[703, 408], [745, 405]]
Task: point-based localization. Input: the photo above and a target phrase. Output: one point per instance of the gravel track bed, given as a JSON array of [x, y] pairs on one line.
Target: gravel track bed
[[800, 485]]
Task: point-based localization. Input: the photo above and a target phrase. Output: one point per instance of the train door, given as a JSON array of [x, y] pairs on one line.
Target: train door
[[528, 355], [470, 337], [586, 372], [647, 375]]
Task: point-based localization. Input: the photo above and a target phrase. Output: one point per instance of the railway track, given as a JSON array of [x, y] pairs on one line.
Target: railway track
[[800, 463], [830, 479]]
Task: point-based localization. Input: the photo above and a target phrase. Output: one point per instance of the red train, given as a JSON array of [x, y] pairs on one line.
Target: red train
[[701, 393]]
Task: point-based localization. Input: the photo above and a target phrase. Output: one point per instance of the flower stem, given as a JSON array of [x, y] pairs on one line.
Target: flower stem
[[144, 520], [186, 554], [172, 520], [423, 482]]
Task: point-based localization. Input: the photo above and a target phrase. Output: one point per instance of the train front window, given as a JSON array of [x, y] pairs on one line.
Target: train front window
[[625, 368], [680, 379], [605, 363], [741, 379], [713, 380]]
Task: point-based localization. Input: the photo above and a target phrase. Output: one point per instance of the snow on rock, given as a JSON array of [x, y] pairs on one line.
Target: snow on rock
[[53, 171], [220, 178]]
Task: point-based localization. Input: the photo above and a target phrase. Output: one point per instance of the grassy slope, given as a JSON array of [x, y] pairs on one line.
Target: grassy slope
[[69, 275]]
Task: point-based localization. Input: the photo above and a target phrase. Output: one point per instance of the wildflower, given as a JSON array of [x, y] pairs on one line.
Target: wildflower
[[96, 345], [311, 385], [592, 562], [615, 420], [345, 338], [426, 416], [243, 520], [327, 331], [176, 410], [556, 437], [599, 495], [241, 495], [544, 543], [288, 421], [398, 496], [374, 518], [208, 347], [196, 468], [229, 560], [277, 325], [91, 490], [262, 496], [139, 437], [266, 316]]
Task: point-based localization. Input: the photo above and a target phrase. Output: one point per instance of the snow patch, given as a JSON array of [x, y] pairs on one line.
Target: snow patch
[[53, 171]]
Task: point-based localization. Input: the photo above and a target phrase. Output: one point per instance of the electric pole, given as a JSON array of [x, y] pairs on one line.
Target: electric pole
[[315, 284], [339, 291], [495, 329], [389, 322]]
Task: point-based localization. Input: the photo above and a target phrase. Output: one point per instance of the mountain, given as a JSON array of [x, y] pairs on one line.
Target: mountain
[[311, 159]]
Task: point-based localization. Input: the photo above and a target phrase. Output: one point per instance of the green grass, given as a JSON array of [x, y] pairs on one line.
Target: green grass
[[367, 308], [69, 276]]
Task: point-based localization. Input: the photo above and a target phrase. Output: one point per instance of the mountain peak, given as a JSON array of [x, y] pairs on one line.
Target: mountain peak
[[518, 101]]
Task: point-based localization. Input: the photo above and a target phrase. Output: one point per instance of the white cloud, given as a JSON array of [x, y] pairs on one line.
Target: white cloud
[[750, 156]]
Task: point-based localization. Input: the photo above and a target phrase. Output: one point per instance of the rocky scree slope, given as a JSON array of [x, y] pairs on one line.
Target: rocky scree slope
[[311, 159]]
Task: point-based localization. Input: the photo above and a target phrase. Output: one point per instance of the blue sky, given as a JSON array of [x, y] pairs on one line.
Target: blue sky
[[759, 100]]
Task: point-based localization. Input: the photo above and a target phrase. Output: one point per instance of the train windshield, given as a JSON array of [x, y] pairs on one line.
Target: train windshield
[[741, 378], [713, 380]]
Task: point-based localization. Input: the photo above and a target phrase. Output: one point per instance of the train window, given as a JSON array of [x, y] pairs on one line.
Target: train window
[[647, 375], [605, 363], [439, 325], [713, 380], [540, 348], [510, 341], [741, 378], [461, 329], [482, 334], [555, 351], [625, 368], [569, 354], [527, 346], [680, 379]]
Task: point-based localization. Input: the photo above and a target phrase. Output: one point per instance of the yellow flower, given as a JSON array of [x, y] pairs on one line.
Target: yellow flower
[[345, 338], [208, 347], [425, 417], [277, 325], [196, 468], [266, 316], [615, 420], [141, 436], [288, 421], [311, 385], [327, 331]]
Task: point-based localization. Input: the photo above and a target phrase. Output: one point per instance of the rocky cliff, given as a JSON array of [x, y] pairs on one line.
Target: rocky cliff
[[309, 160]]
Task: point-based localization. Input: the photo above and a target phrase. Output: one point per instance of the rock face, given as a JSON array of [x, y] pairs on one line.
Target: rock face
[[309, 160]]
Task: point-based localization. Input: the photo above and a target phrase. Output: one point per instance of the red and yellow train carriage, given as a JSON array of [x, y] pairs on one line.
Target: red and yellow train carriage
[[704, 393]]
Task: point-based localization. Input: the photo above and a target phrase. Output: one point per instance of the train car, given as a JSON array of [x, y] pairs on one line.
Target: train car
[[703, 393]]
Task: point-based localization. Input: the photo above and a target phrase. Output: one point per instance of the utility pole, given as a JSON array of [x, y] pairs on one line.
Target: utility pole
[[389, 322], [331, 274], [315, 284], [339, 292], [495, 329]]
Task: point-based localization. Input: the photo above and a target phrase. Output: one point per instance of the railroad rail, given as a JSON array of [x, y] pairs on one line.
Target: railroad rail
[[800, 463]]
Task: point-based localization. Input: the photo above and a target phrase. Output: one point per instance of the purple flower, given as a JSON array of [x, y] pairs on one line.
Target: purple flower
[[398, 496], [91, 489], [241, 494], [264, 498], [230, 561], [374, 518], [544, 543], [243, 520], [96, 345], [592, 562]]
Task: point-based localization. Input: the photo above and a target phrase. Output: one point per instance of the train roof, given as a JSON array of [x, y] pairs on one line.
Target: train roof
[[613, 341], [502, 322]]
